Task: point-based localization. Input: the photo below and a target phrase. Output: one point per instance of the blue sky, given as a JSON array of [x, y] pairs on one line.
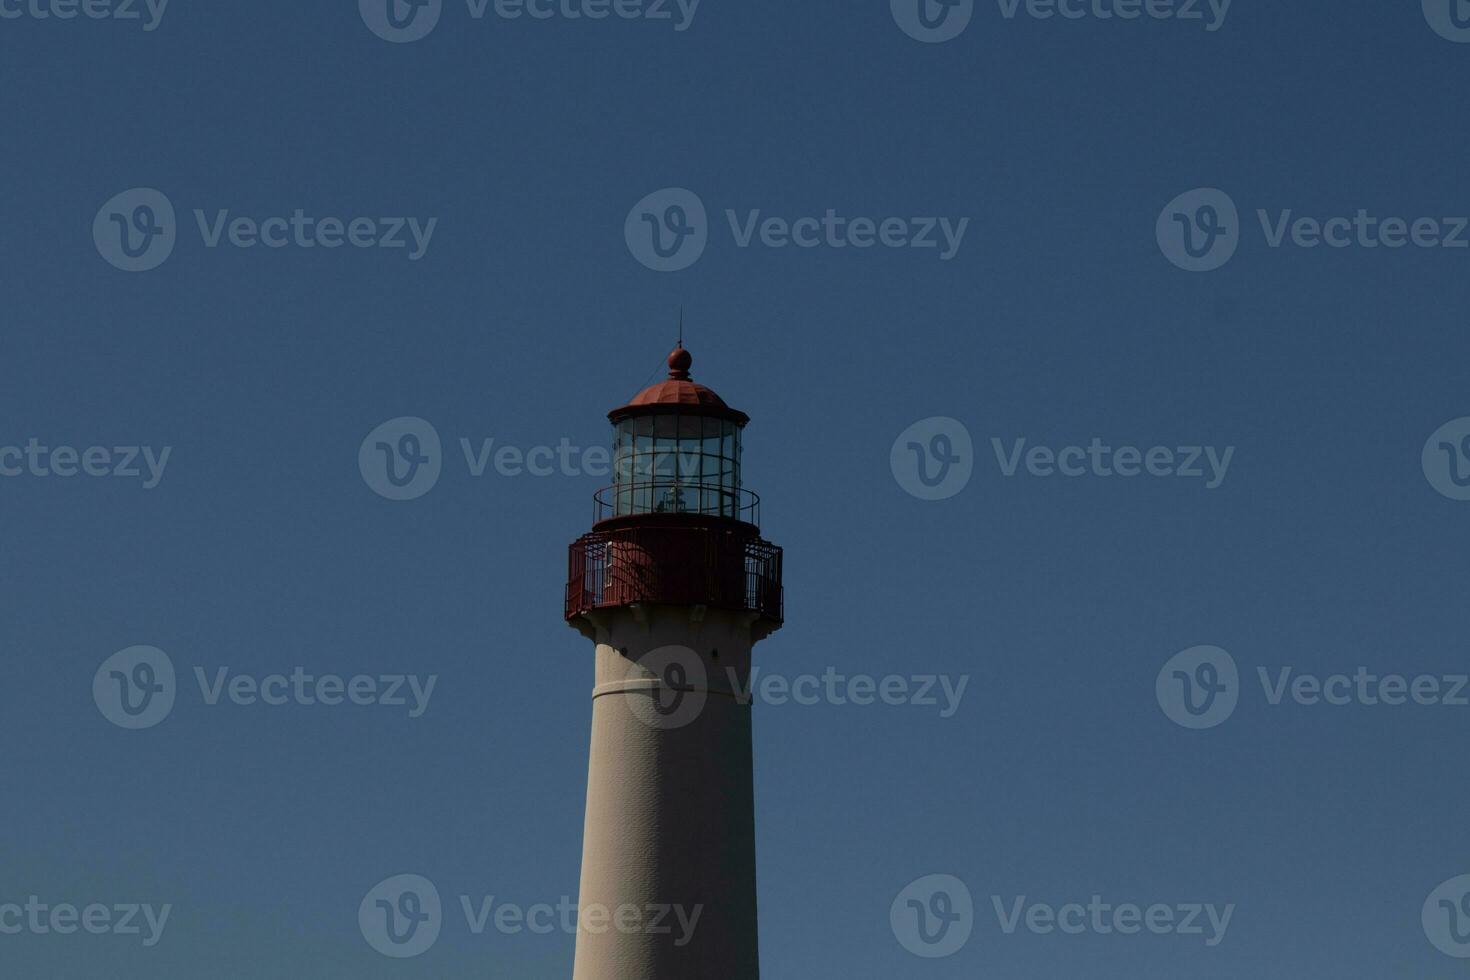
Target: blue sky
[[1059, 319]]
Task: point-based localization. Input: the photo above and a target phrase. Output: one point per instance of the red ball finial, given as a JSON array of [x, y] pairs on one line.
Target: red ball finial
[[679, 362]]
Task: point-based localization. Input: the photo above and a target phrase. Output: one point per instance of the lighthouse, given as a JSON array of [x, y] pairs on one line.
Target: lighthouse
[[674, 585]]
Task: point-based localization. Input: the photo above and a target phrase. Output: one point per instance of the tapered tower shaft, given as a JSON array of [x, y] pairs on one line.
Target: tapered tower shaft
[[670, 801]]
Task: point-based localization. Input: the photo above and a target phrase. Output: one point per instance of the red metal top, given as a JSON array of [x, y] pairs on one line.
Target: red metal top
[[678, 395], [668, 540]]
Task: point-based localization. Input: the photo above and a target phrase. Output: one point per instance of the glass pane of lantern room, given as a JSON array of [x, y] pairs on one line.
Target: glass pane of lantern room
[[622, 451], [690, 446], [654, 475], [643, 466], [664, 468], [622, 497], [712, 437], [729, 450]]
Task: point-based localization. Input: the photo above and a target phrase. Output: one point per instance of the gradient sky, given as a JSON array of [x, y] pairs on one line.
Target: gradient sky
[[1058, 321]]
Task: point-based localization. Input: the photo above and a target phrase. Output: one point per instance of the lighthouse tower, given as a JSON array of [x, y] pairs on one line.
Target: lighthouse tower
[[674, 585]]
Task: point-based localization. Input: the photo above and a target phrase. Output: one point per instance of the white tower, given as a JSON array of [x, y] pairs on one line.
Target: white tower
[[675, 585]]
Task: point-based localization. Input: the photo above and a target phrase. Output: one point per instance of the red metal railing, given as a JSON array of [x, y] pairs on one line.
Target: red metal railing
[[687, 564]]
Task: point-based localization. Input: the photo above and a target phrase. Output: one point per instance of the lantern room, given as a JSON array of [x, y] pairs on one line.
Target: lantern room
[[676, 450]]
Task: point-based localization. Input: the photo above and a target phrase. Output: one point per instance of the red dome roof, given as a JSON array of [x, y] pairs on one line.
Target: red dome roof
[[678, 395]]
